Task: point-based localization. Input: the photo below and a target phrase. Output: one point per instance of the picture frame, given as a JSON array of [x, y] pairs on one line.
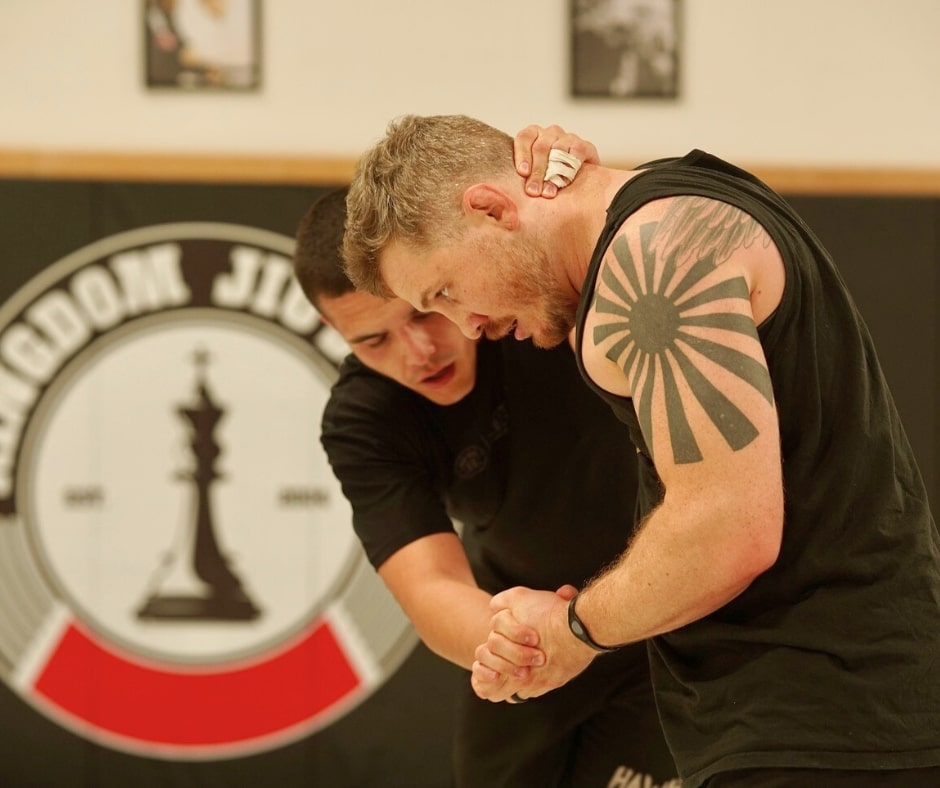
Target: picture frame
[[625, 49], [202, 44]]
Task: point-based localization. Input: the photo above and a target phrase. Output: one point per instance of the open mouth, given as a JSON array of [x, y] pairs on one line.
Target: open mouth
[[441, 376]]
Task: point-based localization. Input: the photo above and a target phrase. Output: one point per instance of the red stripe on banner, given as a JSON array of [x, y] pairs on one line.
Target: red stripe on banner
[[196, 707]]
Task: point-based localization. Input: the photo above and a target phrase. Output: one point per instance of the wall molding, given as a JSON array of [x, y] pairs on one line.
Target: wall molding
[[318, 171]]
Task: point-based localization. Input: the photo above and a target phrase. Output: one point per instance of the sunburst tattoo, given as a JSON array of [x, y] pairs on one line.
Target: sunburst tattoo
[[650, 330]]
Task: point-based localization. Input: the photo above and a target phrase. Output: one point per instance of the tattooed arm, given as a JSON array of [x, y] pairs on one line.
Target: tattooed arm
[[673, 325]]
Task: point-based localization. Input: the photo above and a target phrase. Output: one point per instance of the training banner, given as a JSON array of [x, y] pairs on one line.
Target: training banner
[[182, 598]]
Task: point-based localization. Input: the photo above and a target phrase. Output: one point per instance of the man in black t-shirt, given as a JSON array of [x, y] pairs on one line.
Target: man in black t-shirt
[[424, 428]]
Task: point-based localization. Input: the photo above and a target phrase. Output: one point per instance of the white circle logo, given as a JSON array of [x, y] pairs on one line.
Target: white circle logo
[[178, 573]]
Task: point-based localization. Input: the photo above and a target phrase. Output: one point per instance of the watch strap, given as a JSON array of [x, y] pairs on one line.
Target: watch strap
[[576, 625]]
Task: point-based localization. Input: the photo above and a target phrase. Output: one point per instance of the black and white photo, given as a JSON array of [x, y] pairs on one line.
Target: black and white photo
[[202, 44], [625, 48]]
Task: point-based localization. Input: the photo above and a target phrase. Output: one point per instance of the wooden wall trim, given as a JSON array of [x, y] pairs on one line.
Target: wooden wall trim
[[184, 168], [299, 170]]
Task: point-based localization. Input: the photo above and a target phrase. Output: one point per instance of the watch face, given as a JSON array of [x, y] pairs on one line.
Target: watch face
[[580, 631], [575, 625]]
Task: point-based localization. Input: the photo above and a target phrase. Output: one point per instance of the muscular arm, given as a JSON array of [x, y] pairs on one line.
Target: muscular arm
[[672, 325], [432, 581]]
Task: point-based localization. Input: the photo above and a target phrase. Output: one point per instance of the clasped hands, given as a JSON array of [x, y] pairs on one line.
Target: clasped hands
[[529, 650]]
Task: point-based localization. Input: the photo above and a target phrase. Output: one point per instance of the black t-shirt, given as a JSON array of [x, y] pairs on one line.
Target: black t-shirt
[[831, 658], [537, 470], [543, 478]]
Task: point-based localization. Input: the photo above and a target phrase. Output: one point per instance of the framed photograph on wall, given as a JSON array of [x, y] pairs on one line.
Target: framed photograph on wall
[[202, 44], [625, 48]]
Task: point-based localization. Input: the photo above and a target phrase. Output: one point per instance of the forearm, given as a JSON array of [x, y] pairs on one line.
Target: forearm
[[434, 584], [685, 562], [451, 618]]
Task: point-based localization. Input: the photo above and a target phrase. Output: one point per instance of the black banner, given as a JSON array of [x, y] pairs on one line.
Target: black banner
[[182, 600]]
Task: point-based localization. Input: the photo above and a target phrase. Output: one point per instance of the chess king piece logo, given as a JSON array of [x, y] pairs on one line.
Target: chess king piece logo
[[170, 528], [207, 587]]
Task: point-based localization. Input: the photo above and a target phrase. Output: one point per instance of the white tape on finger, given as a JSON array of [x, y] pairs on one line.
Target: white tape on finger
[[562, 167]]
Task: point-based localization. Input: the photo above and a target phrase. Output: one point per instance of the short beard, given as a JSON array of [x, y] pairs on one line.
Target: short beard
[[527, 277], [559, 321], [557, 310]]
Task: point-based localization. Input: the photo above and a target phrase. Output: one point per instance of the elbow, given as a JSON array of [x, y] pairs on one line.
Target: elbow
[[761, 545], [762, 557]]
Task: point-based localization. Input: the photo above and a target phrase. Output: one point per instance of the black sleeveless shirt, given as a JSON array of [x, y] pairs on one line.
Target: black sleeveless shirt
[[831, 658]]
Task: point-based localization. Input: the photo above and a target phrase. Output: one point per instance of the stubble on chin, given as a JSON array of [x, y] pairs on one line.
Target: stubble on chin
[[559, 318], [552, 336], [527, 280]]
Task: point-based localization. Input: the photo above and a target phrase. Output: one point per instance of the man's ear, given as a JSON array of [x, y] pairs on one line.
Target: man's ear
[[490, 203]]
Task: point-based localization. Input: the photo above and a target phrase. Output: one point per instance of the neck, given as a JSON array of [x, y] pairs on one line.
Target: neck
[[582, 215]]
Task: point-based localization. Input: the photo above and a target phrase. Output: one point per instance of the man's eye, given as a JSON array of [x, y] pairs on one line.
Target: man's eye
[[443, 293], [376, 343]]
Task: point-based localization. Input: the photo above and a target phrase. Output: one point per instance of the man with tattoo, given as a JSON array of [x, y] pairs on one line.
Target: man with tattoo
[[786, 565], [424, 425]]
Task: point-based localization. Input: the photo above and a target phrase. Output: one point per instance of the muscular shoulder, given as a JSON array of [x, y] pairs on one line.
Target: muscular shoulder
[[677, 267]]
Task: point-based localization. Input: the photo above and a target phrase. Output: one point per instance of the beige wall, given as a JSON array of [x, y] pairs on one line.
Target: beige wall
[[845, 83]]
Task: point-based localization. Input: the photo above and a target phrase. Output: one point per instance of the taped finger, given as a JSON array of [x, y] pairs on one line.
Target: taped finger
[[562, 167]]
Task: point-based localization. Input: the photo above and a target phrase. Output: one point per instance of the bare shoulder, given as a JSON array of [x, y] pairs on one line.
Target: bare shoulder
[[673, 325]]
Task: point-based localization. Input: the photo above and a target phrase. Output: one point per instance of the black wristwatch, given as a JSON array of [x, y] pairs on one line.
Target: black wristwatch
[[576, 625]]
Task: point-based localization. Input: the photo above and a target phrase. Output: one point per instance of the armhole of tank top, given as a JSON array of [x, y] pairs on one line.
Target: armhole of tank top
[[772, 325]]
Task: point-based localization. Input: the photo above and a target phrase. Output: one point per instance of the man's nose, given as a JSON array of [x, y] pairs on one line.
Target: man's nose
[[419, 346], [472, 327]]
